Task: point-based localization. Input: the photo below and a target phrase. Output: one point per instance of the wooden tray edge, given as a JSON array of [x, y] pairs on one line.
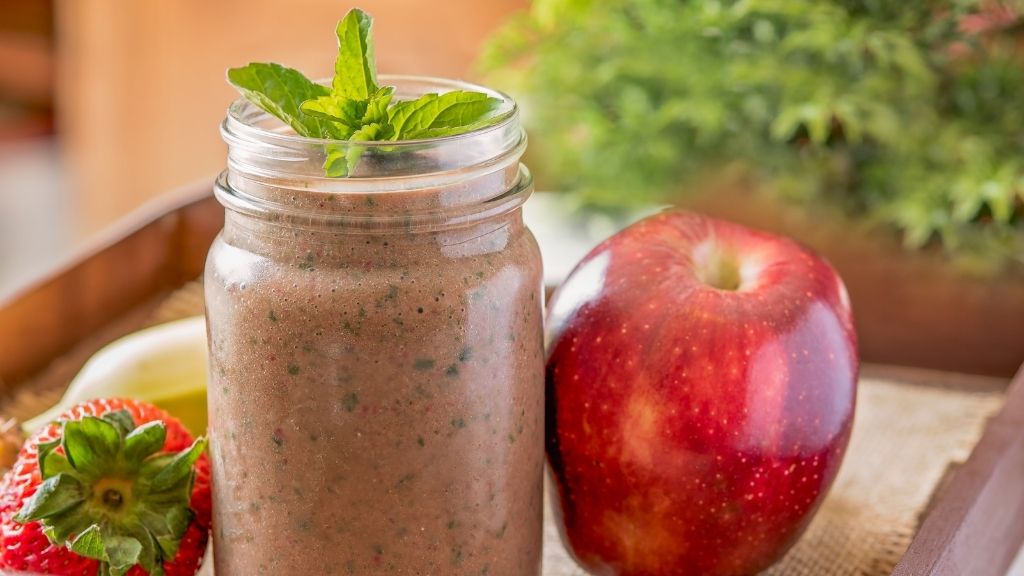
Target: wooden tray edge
[[977, 524], [152, 251]]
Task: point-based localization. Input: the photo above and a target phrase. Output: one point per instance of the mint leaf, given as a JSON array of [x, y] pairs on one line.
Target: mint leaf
[[400, 113], [335, 161], [355, 70], [448, 113], [351, 114], [345, 111], [439, 132], [452, 131], [373, 125], [367, 133], [455, 109], [341, 160], [377, 108], [281, 91]]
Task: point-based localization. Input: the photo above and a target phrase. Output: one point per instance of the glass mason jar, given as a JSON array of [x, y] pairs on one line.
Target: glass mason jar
[[376, 383]]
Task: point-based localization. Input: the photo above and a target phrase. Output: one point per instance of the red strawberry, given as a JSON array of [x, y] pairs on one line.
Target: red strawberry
[[114, 487]]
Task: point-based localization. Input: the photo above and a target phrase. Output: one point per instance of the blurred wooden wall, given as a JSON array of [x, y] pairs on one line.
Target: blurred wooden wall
[[141, 87], [26, 68]]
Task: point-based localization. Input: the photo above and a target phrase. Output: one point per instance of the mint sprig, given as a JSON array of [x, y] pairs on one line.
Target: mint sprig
[[355, 108]]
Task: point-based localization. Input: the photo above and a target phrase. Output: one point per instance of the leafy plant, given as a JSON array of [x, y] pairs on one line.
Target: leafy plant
[[355, 108], [909, 113]]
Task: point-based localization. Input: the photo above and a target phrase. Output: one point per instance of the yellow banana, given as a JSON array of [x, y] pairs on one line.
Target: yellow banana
[[164, 365]]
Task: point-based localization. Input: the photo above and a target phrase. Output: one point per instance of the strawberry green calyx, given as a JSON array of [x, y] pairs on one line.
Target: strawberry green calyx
[[111, 494]]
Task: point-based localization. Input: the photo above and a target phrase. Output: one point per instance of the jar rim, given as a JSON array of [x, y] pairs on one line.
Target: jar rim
[[242, 115]]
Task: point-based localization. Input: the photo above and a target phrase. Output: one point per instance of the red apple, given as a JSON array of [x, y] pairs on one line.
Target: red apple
[[701, 380]]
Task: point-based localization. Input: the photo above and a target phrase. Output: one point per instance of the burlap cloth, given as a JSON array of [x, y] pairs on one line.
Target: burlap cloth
[[905, 439]]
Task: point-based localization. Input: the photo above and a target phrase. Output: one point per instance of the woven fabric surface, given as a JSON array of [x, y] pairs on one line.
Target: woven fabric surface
[[905, 439]]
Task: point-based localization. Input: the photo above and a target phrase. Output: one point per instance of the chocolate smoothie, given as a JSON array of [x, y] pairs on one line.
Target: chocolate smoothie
[[376, 395]]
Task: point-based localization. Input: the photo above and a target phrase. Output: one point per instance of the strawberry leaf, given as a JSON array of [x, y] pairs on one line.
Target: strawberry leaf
[[89, 544], [166, 528], [151, 556], [54, 496], [74, 521], [50, 462], [121, 420], [90, 444], [122, 552], [144, 441], [179, 468], [55, 463]]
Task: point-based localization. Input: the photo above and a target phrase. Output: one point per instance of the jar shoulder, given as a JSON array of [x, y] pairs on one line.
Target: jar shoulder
[[374, 274], [238, 251]]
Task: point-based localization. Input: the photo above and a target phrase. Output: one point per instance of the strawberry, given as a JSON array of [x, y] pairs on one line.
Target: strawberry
[[112, 487]]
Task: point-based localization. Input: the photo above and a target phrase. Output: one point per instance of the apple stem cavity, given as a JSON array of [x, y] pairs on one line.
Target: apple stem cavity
[[717, 267]]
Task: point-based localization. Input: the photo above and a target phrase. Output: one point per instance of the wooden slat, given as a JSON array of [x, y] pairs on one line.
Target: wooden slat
[[151, 252], [977, 524]]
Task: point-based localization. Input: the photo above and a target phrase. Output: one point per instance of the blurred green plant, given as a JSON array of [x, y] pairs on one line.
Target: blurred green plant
[[909, 113]]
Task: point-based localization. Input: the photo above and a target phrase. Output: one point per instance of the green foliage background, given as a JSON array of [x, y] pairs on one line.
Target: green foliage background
[[895, 111]]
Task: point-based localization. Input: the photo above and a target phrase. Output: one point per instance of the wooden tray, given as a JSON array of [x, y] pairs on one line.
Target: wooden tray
[[974, 525]]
